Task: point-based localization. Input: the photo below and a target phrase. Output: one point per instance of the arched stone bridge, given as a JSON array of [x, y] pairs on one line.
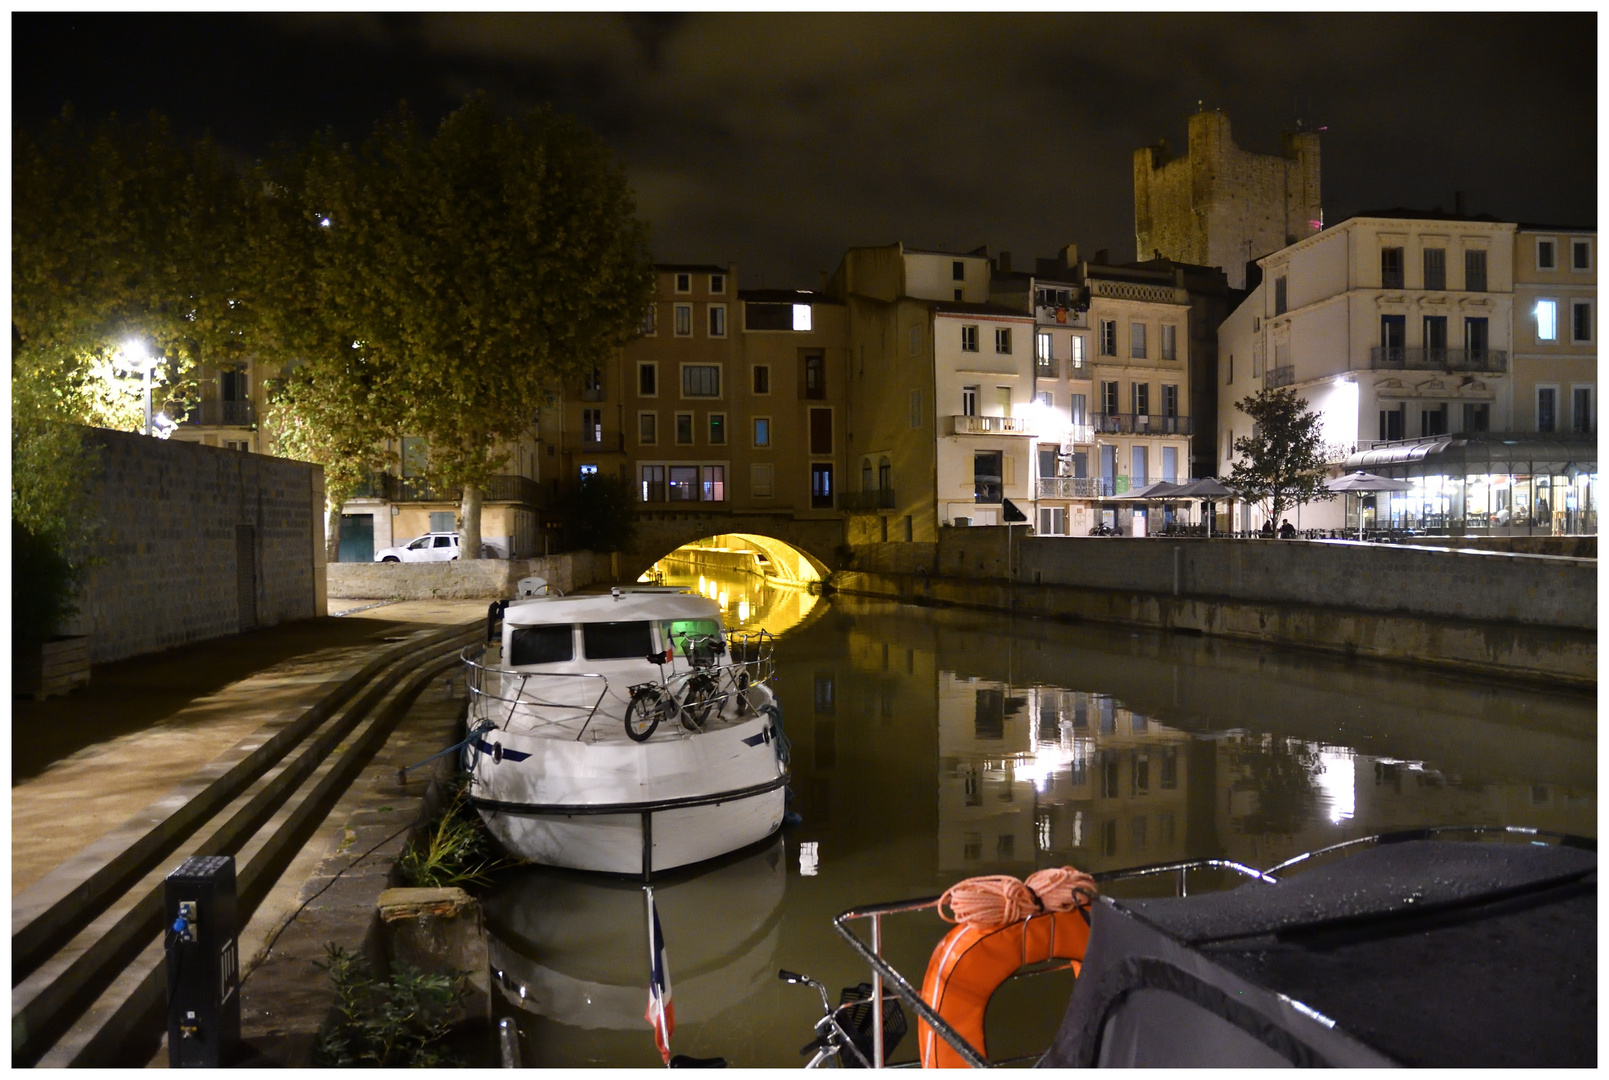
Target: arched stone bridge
[[659, 532]]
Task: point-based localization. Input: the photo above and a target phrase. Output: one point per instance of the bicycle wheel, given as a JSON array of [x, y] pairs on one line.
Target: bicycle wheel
[[701, 701], [644, 713]]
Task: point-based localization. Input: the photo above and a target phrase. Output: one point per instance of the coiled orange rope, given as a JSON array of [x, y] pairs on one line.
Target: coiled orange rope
[[1000, 899]]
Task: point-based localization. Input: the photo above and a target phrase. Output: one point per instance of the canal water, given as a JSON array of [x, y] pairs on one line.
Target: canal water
[[931, 745]]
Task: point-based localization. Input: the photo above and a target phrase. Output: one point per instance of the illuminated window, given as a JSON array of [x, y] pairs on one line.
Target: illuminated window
[[801, 317], [1077, 342], [1547, 320], [653, 483], [762, 431], [1042, 346], [592, 426]]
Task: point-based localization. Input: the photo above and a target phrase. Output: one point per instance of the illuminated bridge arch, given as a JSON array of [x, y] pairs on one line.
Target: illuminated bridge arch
[[798, 550]]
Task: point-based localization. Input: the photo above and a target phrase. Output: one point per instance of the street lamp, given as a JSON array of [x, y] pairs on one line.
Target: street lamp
[[133, 357]]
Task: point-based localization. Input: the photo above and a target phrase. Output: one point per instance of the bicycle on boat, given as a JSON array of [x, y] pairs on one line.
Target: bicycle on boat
[[691, 697]]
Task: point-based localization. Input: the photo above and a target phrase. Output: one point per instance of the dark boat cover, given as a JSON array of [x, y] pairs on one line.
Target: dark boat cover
[[1417, 952]]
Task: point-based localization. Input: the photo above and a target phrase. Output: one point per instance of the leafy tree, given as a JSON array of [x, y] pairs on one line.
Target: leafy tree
[[600, 513], [468, 271], [1280, 464]]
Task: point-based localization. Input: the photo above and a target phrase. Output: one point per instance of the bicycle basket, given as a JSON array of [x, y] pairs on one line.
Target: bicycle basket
[[855, 1014]]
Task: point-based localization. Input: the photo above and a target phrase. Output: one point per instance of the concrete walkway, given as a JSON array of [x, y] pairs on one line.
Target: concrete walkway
[[84, 763]]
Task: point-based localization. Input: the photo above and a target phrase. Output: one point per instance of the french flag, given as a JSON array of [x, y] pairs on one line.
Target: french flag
[[661, 1012]]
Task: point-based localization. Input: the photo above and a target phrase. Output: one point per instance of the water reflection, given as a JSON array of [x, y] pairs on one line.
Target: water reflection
[[931, 745]]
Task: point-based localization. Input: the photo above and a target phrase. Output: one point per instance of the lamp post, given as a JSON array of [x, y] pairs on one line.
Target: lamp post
[[135, 358]]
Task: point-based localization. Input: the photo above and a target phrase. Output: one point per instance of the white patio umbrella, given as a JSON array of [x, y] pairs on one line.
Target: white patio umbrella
[[1362, 482]]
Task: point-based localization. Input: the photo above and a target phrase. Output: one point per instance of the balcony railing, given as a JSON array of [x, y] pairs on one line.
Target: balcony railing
[[882, 499], [593, 393], [1073, 487], [990, 425], [1420, 358], [221, 414], [1141, 424], [1046, 367], [501, 488], [1274, 378], [1079, 435]]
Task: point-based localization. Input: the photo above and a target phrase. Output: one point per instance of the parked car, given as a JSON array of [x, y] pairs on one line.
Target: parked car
[[436, 547]]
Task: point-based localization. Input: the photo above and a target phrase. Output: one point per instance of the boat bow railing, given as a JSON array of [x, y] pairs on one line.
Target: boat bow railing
[[532, 691]]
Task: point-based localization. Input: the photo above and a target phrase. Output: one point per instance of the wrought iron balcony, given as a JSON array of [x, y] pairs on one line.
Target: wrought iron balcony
[[1079, 435], [1141, 424], [1420, 358], [221, 414], [990, 425], [1046, 367], [1073, 487], [1274, 378], [881, 499]]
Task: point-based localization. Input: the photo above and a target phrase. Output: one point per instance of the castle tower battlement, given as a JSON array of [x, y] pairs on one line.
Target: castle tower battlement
[[1223, 206]]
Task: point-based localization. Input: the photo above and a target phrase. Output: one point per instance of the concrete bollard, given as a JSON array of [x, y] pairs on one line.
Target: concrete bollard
[[438, 931]]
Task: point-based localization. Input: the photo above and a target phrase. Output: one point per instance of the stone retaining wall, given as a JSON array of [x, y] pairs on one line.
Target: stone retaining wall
[[488, 579]]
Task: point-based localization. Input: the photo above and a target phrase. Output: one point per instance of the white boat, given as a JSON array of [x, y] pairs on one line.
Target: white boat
[[555, 772]]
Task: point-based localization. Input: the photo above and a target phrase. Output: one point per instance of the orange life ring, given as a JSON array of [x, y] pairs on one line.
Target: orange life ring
[[972, 961]]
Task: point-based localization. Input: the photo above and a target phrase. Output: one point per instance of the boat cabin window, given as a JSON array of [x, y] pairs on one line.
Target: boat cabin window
[[542, 645], [676, 632], [616, 640]]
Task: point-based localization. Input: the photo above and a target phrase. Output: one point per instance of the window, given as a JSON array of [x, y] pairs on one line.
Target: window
[[1045, 398], [653, 483], [1547, 408], [648, 380], [713, 480], [1138, 474], [1545, 257], [1391, 268], [684, 429], [592, 426], [1435, 268], [1393, 422], [958, 270], [801, 317], [1170, 464], [1140, 398], [647, 428], [1042, 348], [650, 320], [616, 640], [1170, 400], [684, 483], [701, 380], [1170, 338], [1279, 296], [1137, 340], [1433, 421], [1581, 410], [1002, 398], [986, 476], [885, 476], [969, 339], [717, 320], [958, 296], [969, 401], [762, 431], [1475, 337], [684, 320], [761, 316], [717, 429], [762, 378], [541, 645], [916, 409], [821, 485], [1077, 408], [760, 481], [1580, 255], [821, 431], [1394, 335], [684, 282], [717, 283], [1475, 271], [1077, 343], [1002, 339], [1436, 336], [1052, 521], [1547, 320], [1581, 320], [592, 383], [1477, 416], [1108, 337], [1109, 398], [815, 373]]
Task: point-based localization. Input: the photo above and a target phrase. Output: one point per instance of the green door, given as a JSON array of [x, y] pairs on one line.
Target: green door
[[357, 538]]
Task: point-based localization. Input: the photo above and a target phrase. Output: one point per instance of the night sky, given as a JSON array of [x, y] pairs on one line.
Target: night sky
[[777, 141]]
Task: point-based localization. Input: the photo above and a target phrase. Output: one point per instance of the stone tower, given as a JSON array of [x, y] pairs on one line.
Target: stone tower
[[1220, 205]]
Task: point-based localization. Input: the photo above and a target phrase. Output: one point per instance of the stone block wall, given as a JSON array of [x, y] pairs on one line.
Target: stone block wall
[[195, 542], [477, 579]]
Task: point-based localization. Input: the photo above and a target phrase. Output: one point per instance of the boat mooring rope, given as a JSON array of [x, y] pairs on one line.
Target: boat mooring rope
[[1000, 899]]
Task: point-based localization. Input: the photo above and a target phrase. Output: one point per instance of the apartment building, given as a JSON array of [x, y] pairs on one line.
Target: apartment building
[[232, 401], [1554, 384]]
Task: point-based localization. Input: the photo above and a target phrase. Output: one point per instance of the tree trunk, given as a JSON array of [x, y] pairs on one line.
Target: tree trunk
[[469, 527], [332, 531]]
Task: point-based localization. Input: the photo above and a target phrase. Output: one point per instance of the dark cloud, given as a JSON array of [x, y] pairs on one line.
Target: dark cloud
[[778, 140]]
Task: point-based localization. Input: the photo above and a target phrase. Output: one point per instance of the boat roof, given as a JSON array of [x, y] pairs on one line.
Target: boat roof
[[629, 606]]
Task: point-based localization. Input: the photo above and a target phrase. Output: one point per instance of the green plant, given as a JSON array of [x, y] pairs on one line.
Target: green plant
[[455, 848], [387, 1023]]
